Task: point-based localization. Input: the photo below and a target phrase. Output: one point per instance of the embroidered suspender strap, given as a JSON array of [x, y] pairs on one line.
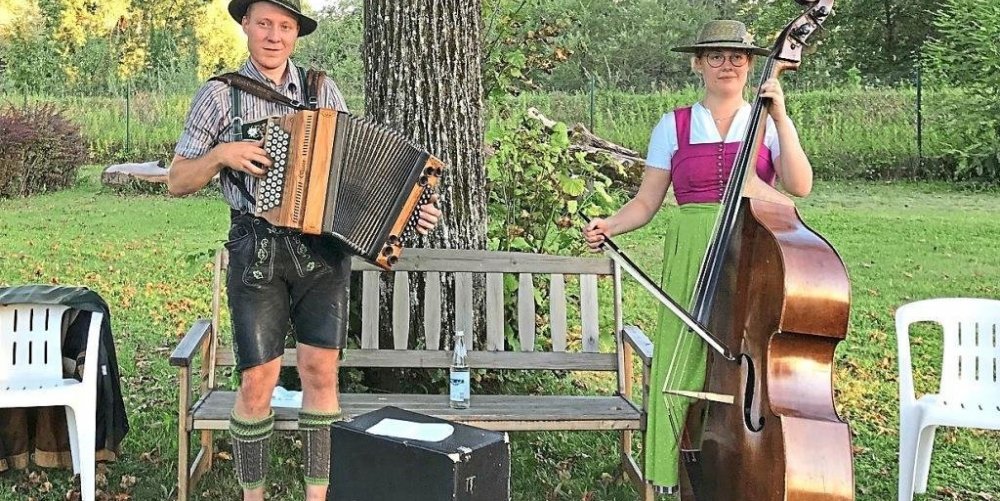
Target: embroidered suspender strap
[[237, 119]]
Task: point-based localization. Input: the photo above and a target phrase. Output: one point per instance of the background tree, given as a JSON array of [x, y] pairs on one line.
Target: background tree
[[423, 77], [335, 47], [965, 55]]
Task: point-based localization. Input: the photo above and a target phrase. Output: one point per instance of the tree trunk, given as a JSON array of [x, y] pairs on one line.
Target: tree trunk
[[422, 77]]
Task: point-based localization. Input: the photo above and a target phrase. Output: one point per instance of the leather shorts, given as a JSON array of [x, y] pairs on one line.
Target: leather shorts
[[282, 281]]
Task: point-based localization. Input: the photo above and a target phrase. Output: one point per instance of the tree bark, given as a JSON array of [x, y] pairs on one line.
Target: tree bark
[[423, 78]]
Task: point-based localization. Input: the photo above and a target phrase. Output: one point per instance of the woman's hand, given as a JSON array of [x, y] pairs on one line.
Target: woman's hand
[[429, 216], [595, 233], [772, 89]]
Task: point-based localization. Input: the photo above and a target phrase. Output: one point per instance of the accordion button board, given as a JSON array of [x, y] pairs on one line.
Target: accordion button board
[[337, 174]]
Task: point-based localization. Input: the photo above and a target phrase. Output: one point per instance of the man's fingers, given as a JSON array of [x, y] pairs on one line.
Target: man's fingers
[[252, 169]]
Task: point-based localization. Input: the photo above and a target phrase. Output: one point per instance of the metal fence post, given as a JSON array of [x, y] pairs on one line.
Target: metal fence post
[[920, 117], [128, 117]]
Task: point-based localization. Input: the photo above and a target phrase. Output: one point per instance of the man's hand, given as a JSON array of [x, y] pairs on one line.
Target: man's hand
[[429, 216], [241, 155]]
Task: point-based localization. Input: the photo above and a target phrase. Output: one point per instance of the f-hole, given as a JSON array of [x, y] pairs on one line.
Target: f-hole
[[751, 398]]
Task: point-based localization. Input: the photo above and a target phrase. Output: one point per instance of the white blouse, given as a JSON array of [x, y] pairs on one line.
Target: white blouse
[[663, 141]]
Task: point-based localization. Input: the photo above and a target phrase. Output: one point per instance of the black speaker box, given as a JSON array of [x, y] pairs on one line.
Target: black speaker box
[[470, 465]]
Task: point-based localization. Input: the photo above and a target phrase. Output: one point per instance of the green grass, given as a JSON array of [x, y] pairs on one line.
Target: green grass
[[149, 257]]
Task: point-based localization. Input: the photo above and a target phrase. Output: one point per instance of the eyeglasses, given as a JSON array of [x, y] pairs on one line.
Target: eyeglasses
[[717, 59]]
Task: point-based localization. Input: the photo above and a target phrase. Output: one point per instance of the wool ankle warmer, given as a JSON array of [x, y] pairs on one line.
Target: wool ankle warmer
[[314, 427], [251, 443]]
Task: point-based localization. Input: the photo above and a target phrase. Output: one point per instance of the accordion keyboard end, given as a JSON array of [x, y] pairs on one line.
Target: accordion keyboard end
[[389, 255]]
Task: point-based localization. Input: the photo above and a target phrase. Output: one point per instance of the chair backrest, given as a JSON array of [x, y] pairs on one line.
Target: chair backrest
[[970, 368], [31, 342]]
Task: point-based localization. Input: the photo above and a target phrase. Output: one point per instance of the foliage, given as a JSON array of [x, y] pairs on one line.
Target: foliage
[[538, 189], [40, 151], [335, 46], [519, 46], [878, 40], [966, 54]]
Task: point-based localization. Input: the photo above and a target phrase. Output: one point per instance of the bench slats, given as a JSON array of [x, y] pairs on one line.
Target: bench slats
[[369, 309], [432, 310], [557, 312], [400, 310], [494, 312], [526, 312], [588, 313], [463, 308], [491, 262], [498, 412], [441, 359]]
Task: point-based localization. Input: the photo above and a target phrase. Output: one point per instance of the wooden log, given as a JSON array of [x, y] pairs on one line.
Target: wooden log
[[622, 165], [132, 175]]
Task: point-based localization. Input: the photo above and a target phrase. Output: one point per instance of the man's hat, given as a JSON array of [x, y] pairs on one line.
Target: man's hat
[[722, 34], [238, 9]]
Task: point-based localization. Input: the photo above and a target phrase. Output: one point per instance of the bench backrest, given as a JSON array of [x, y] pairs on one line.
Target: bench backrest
[[570, 284]]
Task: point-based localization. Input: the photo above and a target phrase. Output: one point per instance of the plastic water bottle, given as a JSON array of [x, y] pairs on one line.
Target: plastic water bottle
[[459, 374]]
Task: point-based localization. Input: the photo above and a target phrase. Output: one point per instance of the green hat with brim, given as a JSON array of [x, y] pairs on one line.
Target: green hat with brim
[[238, 9], [721, 34]]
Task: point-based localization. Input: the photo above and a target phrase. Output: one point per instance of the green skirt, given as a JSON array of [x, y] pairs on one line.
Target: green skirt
[[679, 361]]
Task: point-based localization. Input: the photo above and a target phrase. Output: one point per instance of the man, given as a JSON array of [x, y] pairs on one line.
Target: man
[[276, 275]]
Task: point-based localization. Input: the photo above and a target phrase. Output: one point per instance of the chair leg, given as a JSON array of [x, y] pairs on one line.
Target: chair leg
[[74, 446], [183, 462], [86, 434], [908, 435], [922, 465]]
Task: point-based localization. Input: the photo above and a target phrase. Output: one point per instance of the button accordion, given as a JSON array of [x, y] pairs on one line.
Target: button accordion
[[337, 174]]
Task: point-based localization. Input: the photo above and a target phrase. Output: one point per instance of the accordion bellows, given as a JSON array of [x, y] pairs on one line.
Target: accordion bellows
[[341, 175]]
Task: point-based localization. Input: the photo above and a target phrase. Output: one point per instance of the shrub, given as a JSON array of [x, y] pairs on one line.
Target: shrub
[[40, 150]]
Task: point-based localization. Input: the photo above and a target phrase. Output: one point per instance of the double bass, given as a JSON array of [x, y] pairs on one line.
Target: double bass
[[772, 302], [776, 292]]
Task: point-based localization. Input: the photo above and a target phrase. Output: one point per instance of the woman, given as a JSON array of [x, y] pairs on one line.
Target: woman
[[687, 150]]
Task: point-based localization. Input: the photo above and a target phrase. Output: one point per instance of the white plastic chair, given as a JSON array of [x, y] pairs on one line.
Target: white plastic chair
[[31, 375], [969, 394]]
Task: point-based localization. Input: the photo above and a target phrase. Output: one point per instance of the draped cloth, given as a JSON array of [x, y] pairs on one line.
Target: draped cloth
[[40, 434]]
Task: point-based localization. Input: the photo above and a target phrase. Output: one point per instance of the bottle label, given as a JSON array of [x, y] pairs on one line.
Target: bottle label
[[459, 386]]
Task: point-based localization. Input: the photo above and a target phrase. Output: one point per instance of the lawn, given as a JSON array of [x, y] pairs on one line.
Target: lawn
[[149, 257]]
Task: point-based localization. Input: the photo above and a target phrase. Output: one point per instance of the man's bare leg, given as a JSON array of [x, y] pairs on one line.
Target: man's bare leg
[[252, 410], [320, 407]]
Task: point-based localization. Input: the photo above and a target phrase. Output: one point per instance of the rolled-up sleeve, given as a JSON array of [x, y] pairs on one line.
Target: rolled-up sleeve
[[205, 121]]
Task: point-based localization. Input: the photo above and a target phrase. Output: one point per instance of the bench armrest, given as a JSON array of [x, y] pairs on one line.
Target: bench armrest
[[639, 342], [188, 347]]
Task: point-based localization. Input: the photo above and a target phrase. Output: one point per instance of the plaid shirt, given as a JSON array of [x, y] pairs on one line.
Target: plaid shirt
[[209, 122]]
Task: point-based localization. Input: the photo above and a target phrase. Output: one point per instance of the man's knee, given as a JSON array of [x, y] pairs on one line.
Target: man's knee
[[257, 385], [318, 367]]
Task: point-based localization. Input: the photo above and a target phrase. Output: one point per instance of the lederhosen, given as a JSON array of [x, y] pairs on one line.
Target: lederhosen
[[279, 278]]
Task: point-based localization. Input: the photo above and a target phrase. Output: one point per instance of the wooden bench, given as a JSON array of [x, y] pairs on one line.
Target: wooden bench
[[571, 284]]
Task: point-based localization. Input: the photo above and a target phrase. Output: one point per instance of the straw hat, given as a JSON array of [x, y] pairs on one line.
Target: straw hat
[[723, 34], [238, 9]]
